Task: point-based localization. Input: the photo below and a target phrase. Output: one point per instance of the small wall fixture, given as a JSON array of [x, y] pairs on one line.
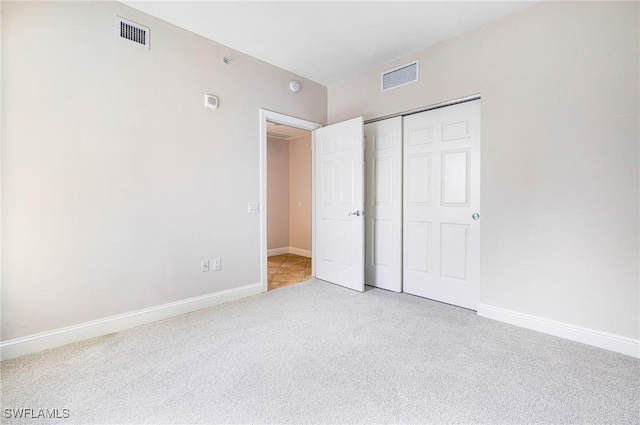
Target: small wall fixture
[[226, 60], [294, 86], [211, 101], [132, 32]]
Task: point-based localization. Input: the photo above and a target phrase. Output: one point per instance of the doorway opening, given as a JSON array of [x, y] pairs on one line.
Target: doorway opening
[[287, 195], [288, 205]]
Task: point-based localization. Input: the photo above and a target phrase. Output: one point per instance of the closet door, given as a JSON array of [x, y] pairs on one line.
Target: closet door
[[383, 204], [441, 226]]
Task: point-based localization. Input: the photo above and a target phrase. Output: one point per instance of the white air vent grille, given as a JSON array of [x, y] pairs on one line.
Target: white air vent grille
[[132, 32], [277, 135], [400, 76]]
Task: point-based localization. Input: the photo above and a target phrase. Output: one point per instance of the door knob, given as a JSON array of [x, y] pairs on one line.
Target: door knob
[[357, 213], [475, 216]]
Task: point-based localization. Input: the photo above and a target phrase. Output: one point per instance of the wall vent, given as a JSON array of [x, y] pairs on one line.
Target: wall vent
[[132, 32], [400, 76]]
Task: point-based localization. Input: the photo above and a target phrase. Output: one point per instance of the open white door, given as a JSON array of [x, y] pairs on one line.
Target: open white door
[[339, 218]]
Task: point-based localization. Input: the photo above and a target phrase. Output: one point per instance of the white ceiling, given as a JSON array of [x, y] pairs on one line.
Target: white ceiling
[[328, 42]]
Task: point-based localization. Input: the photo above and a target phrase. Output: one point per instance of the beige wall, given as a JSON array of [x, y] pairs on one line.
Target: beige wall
[[560, 130], [300, 193], [116, 181], [277, 193]]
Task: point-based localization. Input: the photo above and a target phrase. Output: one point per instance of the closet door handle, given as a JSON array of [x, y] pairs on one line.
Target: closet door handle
[[357, 213]]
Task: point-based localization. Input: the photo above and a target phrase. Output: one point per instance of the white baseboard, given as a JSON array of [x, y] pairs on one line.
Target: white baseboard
[[56, 338], [608, 341], [277, 251], [289, 250], [298, 251]]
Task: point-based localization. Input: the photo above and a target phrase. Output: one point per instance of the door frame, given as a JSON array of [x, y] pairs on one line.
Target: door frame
[[276, 117]]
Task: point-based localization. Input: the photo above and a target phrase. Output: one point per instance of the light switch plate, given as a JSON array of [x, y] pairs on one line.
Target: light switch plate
[[253, 207], [216, 264]]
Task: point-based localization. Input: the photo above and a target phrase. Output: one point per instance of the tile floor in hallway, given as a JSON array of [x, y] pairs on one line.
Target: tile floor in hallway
[[288, 269]]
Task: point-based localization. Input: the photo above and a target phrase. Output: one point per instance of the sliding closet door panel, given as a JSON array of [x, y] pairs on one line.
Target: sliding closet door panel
[[441, 182], [383, 210]]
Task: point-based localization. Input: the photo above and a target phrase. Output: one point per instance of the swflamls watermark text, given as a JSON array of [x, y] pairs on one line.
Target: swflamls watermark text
[[29, 413]]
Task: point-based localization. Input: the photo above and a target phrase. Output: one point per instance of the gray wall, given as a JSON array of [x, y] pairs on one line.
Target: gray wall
[[116, 181], [560, 131]]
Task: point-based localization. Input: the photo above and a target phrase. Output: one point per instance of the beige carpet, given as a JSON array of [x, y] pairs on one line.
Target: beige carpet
[[317, 353]]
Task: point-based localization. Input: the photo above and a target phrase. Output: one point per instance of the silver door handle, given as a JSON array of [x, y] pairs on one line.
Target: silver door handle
[[475, 216], [357, 213]]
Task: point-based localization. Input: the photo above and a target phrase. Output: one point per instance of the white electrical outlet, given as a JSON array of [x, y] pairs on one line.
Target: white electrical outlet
[[204, 266], [253, 207], [217, 264]]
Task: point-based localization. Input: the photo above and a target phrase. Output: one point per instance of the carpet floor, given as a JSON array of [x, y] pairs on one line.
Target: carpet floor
[[318, 353]]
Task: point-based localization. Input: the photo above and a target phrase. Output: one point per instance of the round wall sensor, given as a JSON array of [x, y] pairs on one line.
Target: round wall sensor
[[294, 86], [211, 101]]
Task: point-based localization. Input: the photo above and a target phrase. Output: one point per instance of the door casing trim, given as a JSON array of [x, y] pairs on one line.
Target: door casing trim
[[276, 117]]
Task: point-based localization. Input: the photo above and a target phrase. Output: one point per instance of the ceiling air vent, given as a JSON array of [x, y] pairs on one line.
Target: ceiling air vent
[[132, 32], [400, 76], [277, 135]]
